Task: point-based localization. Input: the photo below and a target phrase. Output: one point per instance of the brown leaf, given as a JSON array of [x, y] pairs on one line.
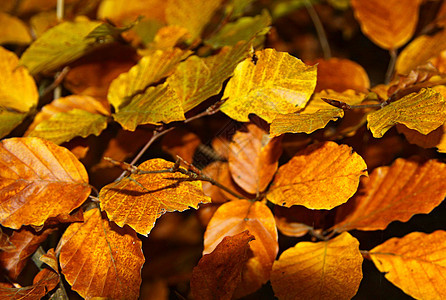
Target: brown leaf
[[182, 143], [5, 243], [324, 270], [39, 180], [217, 274], [99, 259], [298, 220], [434, 139], [321, 176], [393, 193], [237, 216]]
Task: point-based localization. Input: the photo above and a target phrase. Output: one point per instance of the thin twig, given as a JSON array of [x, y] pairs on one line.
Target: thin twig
[[391, 66], [345, 106], [57, 80], [319, 29]]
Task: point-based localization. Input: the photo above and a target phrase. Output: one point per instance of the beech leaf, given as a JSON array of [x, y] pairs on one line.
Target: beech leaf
[[140, 199], [235, 217], [324, 270], [424, 111], [277, 83], [39, 180], [415, 263], [436, 138], [124, 11], [218, 273], [13, 30], [99, 259], [9, 120], [388, 23], [321, 176], [393, 193]]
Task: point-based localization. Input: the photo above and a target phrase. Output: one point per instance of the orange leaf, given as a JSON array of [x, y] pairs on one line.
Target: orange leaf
[[436, 138], [321, 176], [99, 259], [323, 270], [5, 243], [298, 220], [140, 199], [39, 180], [217, 274], [182, 143], [25, 242], [124, 11], [415, 263], [253, 158], [393, 193], [388, 23], [237, 216]]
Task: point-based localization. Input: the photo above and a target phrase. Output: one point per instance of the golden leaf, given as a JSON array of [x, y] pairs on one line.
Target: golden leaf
[[322, 176], [237, 216], [277, 83], [124, 11], [13, 30], [424, 111], [324, 270], [436, 138], [415, 263], [393, 193], [140, 199], [39, 180], [99, 259]]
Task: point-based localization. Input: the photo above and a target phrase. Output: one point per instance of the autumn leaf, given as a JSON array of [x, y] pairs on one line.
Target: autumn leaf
[[324, 270], [124, 11], [393, 193], [13, 30], [388, 23], [297, 220], [276, 83], [424, 111], [218, 273], [235, 217], [253, 158], [43, 21], [99, 259], [140, 199], [322, 176], [181, 142], [415, 263], [39, 180], [436, 138]]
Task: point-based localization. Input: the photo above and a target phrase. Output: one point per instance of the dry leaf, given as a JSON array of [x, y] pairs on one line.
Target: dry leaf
[[13, 30], [276, 83], [393, 193], [322, 176], [234, 217], [434, 139], [388, 23], [415, 263], [123, 11], [39, 180], [297, 220], [182, 143], [218, 273], [99, 259], [139, 200], [324, 270]]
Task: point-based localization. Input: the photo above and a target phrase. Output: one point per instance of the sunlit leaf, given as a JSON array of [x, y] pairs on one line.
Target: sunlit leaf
[[167, 37], [234, 217], [321, 176], [275, 83], [424, 111], [193, 15], [218, 273], [60, 45], [39, 180], [388, 23], [197, 79], [393, 193], [324, 270], [242, 30], [253, 158], [139, 200], [99, 259], [415, 263], [124, 11], [13, 30]]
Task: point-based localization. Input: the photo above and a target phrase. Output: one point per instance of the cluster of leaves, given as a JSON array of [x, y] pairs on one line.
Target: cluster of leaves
[[133, 71]]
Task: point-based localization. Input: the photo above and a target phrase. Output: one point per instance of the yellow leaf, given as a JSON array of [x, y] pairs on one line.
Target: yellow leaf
[[139, 200], [9, 120], [235, 217], [43, 21], [388, 23], [324, 270], [39, 180], [193, 15], [13, 30], [275, 83], [60, 45], [197, 79], [99, 259], [415, 263], [424, 111], [321, 176], [393, 193], [123, 11]]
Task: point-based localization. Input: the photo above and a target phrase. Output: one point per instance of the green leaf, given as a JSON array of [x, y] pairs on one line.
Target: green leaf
[[9, 120]]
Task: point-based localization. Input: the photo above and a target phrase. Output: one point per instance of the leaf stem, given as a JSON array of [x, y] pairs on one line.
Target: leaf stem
[[319, 29], [391, 66]]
